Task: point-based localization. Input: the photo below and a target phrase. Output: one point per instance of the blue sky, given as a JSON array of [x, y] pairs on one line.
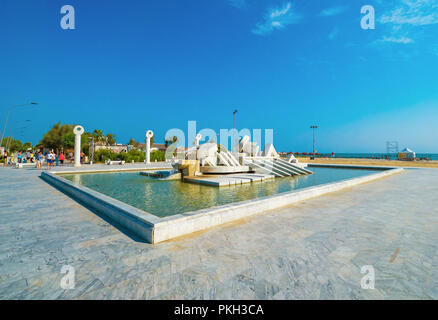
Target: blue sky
[[132, 65]]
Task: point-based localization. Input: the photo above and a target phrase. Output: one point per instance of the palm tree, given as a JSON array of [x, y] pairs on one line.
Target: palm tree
[[98, 135], [110, 138]]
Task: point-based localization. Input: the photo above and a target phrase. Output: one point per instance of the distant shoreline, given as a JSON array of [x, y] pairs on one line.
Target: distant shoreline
[[358, 155], [371, 162]]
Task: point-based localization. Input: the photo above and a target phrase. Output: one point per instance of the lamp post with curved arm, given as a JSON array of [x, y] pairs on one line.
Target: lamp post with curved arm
[[8, 140], [313, 127], [7, 117], [235, 142]]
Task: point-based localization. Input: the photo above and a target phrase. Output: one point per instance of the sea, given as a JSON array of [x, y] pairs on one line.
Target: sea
[[429, 156]]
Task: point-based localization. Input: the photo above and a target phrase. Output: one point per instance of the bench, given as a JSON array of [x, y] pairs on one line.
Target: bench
[[110, 162]]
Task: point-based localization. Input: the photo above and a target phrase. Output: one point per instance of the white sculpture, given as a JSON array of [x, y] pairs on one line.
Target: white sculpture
[[78, 131], [270, 151], [247, 147], [243, 142], [251, 148], [207, 153], [149, 135], [291, 158]]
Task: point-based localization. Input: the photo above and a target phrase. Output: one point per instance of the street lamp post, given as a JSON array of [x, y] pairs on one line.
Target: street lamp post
[[8, 141], [313, 154], [92, 149], [7, 117], [234, 126]]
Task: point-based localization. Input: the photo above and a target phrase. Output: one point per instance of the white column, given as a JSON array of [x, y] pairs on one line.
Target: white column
[[149, 135], [78, 131]]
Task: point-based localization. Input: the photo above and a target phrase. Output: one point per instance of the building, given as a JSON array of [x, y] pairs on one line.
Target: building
[[155, 146]]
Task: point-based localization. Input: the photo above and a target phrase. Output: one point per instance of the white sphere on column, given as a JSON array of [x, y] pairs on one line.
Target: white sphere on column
[[149, 134], [78, 130]]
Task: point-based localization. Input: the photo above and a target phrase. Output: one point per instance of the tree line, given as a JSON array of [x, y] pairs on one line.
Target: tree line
[[61, 137]]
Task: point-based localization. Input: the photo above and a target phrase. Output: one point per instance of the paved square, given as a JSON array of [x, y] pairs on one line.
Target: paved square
[[312, 250]]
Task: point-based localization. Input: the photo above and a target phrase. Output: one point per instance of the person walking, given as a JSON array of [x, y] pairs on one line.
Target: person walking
[[53, 159], [61, 158], [49, 160], [40, 160], [47, 157]]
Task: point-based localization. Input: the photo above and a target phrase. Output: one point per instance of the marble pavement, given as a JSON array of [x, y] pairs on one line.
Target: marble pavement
[[312, 250]]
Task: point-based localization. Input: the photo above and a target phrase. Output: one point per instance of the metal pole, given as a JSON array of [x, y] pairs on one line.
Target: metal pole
[[8, 142], [4, 127], [7, 117], [234, 132], [313, 153]]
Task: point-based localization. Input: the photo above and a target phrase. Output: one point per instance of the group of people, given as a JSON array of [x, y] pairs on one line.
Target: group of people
[[38, 158]]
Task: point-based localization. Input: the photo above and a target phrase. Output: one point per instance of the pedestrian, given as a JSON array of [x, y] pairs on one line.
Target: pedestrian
[[53, 159], [40, 160], [61, 158], [49, 160], [47, 157]]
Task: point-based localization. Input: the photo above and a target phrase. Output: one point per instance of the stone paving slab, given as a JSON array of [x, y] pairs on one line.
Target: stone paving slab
[[312, 250]]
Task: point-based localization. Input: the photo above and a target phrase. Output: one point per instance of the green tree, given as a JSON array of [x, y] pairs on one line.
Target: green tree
[[98, 135], [27, 145], [158, 155], [69, 140], [111, 139], [54, 138], [12, 144], [132, 142]]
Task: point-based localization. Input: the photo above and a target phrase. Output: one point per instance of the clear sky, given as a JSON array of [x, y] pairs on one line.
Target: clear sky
[[135, 65]]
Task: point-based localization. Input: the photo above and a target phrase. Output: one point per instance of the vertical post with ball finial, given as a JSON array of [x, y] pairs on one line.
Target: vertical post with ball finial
[[149, 135], [78, 131]]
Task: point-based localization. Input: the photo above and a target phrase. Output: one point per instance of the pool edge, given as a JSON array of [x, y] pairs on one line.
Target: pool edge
[[183, 224], [155, 230]]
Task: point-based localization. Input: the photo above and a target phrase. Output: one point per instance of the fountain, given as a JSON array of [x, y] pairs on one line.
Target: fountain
[[212, 164]]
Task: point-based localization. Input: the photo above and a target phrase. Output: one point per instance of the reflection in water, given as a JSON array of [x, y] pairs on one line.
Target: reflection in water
[[165, 198], [76, 178]]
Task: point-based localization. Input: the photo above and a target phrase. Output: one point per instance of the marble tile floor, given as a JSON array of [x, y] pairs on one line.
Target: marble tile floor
[[312, 250]]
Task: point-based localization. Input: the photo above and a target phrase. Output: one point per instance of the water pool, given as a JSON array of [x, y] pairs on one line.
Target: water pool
[[166, 198]]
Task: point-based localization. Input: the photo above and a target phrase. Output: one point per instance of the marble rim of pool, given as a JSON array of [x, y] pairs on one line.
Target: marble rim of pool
[[154, 229]]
